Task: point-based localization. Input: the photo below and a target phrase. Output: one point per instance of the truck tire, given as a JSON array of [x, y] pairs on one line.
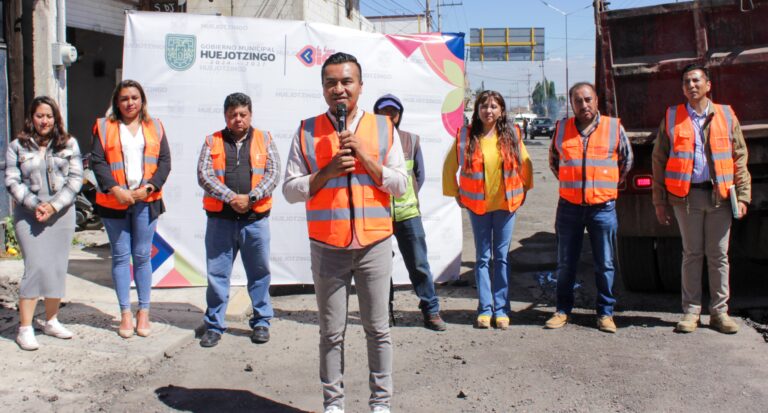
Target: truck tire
[[669, 254], [637, 263]]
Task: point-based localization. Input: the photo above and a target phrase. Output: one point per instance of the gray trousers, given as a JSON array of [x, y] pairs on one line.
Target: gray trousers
[[333, 271], [705, 229]]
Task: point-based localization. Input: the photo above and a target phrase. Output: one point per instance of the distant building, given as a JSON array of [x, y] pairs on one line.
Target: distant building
[[344, 13], [96, 28], [408, 24]]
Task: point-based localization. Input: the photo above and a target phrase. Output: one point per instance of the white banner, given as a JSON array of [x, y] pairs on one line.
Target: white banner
[[189, 63]]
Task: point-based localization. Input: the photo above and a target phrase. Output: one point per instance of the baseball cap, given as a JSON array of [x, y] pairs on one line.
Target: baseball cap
[[383, 103]]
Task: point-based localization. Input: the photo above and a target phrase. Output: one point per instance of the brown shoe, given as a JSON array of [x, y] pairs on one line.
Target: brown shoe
[[434, 322], [558, 320], [688, 323], [605, 324], [483, 321], [142, 323], [723, 323]]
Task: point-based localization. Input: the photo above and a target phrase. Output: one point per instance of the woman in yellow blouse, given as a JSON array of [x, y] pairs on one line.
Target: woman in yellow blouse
[[494, 176]]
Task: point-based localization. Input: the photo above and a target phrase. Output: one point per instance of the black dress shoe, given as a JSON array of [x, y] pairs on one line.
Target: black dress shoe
[[210, 339], [260, 335]]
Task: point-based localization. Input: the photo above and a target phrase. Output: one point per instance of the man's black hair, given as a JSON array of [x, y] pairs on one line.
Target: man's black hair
[[339, 58], [695, 66], [579, 85], [237, 99]]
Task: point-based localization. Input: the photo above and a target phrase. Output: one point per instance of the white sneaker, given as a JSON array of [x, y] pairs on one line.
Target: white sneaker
[[380, 409], [54, 328], [333, 409], [26, 339]]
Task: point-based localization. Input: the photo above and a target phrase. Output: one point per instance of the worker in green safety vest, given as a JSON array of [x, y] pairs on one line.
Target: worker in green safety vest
[[408, 229]]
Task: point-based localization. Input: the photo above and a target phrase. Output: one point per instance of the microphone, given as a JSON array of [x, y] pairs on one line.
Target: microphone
[[341, 120], [341, 116]]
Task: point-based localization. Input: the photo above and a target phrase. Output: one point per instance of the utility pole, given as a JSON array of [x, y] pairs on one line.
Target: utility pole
[[50, 53], [428, 16], [528, 102], [15, 66], [567, 98], [439, 16], [546, 87]]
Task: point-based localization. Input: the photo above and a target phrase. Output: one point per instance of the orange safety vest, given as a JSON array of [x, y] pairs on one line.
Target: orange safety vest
[[258, 154], [591, 176], [351, 202], [677, 176], [108, 132], [472, 179]]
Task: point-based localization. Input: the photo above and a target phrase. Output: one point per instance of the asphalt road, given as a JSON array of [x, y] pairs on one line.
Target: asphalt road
[[644, 367]]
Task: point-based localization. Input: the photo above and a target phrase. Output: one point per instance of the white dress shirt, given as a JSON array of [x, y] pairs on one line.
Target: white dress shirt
[[133, 155]]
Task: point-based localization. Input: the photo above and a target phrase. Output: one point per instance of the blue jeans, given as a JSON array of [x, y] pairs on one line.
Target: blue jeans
[[224, 238], [601, 224], [492, 231], [131, 237], [411, 240]]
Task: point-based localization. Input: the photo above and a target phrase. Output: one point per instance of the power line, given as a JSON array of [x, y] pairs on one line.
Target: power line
[[499, 78], [387, 10], [403, 7]]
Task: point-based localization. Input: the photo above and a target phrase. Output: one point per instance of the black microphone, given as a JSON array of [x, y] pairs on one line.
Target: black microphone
[[341, 116], [341, 120]]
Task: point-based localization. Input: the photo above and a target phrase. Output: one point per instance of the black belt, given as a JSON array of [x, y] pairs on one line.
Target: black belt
[[702, 185]]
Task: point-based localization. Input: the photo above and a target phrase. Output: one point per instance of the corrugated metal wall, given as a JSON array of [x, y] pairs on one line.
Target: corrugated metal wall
[[104, 16]]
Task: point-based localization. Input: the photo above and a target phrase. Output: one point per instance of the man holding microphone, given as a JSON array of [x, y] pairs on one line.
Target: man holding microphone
[[345, 164]]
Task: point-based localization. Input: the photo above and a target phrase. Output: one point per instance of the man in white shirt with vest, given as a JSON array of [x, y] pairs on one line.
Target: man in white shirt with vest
[[345, 164], [699, 154]]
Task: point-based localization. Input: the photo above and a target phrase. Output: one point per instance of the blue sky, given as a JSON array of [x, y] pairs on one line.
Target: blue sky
[[512, 78]]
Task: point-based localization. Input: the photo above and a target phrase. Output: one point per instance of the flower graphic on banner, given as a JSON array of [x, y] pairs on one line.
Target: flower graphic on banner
[[444, 53]]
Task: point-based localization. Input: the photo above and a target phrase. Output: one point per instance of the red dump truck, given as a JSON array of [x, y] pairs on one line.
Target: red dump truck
[[640, 56]]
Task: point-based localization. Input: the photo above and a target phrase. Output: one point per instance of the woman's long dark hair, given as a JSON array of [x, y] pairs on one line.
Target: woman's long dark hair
[[58, 135], [508, 141], [115, 114]]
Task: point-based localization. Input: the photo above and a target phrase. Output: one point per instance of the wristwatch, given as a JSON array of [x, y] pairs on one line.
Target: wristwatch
[[149, 189]]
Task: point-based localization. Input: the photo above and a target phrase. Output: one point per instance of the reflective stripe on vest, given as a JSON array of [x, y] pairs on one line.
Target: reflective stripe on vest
[[472, 178], [109, 135], [258, 154], [407, 206], [351, 202], [588, 177], [677, 175]]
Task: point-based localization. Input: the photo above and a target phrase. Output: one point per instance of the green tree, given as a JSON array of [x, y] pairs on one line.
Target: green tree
[[544, 98]]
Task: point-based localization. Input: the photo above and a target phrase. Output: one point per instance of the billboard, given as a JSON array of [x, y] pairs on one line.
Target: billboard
[[506, 44]]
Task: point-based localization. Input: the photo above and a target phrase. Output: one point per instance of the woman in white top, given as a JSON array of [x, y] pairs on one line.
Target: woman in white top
[[131, 160]]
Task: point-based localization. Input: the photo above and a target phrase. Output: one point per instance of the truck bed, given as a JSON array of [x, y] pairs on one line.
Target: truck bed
[[642, 51], [640, 55]]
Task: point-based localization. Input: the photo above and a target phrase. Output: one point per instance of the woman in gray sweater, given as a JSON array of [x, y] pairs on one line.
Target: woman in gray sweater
[[44, 173]]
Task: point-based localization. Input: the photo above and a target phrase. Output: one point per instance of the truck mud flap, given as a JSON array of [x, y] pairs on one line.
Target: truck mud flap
[[637, 263]]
